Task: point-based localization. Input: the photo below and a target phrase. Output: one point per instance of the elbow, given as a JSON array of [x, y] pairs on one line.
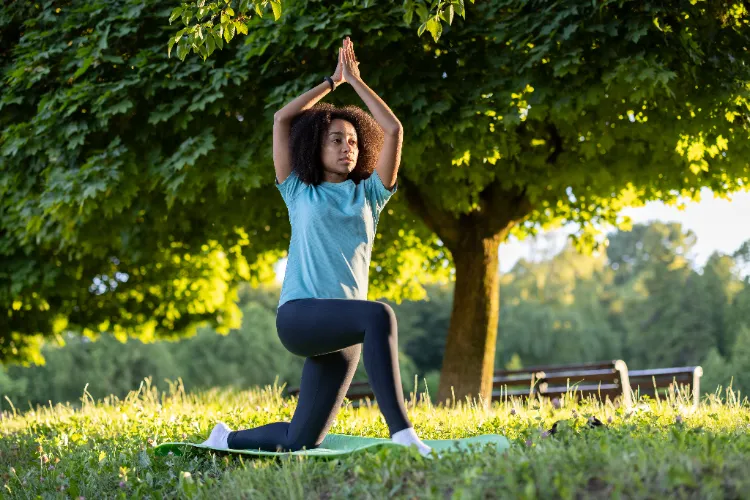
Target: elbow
[[396, 130], [279, 118]]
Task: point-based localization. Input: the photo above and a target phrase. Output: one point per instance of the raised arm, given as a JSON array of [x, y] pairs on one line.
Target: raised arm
[[282, 122], [390, 155]]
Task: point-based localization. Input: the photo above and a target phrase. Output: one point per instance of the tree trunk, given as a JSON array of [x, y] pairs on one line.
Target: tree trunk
[[473, 240], [469, 360]]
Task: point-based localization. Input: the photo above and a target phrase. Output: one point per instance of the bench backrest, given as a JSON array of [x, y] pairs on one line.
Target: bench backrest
[[663, 380], [603, 378]]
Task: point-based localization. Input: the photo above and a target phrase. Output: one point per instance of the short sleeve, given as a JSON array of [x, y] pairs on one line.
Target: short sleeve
[[376, 191], [290, 188]]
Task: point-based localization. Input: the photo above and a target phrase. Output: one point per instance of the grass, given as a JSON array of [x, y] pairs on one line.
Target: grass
[[104, 449]]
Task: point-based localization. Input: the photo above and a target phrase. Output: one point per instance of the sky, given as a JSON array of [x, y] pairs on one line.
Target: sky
[[720, 225]]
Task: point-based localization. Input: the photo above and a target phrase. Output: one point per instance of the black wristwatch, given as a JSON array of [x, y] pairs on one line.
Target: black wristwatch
[[329, 80]]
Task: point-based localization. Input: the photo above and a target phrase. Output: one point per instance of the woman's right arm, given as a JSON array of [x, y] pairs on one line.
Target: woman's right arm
[[282, 124]]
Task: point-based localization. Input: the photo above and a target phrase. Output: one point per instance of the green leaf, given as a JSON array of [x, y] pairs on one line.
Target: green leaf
[[112, 59], [229, 32], [435, 28], [276, 6], [224, 18], [241, 27], [460, 9], [182, 50], [243, 5], [450, 14], [169, 46], [229, 11], [186, 15], [408, 16], [258, 10], [210, 45], [569, 30], [175, 14], [86, 63], [421, 29], [219, 41]]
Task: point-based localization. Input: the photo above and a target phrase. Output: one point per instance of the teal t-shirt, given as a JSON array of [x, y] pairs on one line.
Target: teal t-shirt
[[333, 229]]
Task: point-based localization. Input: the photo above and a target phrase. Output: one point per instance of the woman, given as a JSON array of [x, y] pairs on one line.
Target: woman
[[336, 169]]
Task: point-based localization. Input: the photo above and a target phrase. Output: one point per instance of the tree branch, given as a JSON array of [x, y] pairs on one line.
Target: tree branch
[[501, 206], [441, 222]]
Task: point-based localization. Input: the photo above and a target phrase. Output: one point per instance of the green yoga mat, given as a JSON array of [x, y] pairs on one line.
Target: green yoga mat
[[334, 445]]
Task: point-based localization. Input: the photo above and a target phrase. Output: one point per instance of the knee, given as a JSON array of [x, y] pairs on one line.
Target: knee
[[385, 317], [288, 341]]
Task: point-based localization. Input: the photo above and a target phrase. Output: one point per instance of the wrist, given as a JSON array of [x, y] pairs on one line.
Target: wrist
[[336, 84]]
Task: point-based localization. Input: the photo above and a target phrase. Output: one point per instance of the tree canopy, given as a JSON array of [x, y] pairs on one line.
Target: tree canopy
[[137, 189]]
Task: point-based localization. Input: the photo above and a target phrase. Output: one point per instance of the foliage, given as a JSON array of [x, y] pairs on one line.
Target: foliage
[[218, 22], [105, 449], [136, 191]]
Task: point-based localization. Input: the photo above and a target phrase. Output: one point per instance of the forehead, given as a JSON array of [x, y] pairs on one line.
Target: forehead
[[341, 127]]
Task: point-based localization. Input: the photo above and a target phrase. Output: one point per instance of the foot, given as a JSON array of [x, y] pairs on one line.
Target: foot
[[408, 437], [218, 437]]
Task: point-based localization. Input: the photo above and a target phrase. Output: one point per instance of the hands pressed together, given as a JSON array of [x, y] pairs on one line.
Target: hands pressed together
[[347, 69]]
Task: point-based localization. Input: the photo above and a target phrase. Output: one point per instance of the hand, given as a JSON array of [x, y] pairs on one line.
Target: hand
[[350, 65], [338, 75]]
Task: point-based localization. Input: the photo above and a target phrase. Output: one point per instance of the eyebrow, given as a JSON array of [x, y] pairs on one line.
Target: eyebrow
[[341, 133]]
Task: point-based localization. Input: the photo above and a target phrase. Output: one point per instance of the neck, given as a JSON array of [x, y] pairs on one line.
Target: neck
[[334, 177]]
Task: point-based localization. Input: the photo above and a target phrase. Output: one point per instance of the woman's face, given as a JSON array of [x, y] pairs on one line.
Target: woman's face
[[339, 145]]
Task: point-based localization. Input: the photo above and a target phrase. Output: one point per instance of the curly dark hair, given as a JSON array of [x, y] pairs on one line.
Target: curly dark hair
[[310, 127]]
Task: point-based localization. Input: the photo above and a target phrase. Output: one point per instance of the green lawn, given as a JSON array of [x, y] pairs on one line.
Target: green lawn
[[105, 449]]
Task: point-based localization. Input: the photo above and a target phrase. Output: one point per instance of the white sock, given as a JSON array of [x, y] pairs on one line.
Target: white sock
[[408, 437], [218, 437]]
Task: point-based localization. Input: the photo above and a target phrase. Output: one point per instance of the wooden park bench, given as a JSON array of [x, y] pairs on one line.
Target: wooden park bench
[[666, 380], [601, 379]]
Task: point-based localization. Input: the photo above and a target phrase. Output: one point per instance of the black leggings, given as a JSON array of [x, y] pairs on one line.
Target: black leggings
[[330, 334]]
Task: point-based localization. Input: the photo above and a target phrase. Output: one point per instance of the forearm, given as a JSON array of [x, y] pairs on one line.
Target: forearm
[[303, 102], [379, 109]]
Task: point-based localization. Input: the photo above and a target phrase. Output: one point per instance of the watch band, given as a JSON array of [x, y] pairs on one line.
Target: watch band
[[329, 80]]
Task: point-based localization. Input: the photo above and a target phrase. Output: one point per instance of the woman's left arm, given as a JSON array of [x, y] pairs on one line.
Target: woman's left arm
[[390, 155], [379, 109]]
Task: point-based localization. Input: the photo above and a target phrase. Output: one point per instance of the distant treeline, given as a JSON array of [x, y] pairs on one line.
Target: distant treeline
[[644, 301]]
